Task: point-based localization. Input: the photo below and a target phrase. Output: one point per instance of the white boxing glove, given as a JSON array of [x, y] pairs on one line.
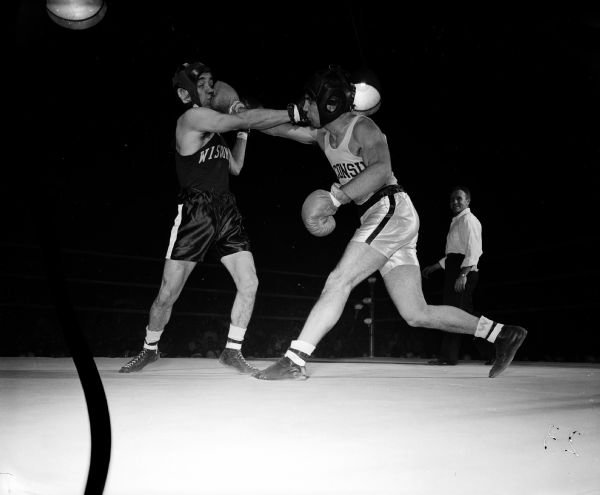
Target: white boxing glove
[[226, 99], [317, 213]]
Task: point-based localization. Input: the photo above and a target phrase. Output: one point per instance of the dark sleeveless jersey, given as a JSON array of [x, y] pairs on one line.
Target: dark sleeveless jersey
[[207, 169]]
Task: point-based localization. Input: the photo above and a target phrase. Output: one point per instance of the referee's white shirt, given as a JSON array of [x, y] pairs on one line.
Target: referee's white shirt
[[464, 237]]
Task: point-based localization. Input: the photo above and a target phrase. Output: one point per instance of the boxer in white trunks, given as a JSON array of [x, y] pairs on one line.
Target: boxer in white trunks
[[386, 240]]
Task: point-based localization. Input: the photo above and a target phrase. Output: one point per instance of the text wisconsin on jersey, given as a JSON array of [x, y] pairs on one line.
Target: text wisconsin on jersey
[[218, 151], [348, 170]]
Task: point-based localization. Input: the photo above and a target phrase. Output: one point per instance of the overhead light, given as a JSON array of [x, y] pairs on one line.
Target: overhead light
[[76, 14]]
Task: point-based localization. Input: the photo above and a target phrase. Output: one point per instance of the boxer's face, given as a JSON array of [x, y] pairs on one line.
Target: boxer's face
[[206, 88], [458, 201], [310, 107]]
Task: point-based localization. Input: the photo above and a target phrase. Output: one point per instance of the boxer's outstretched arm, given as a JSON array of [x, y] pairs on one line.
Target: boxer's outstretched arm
[[301, 134], [202, 119]]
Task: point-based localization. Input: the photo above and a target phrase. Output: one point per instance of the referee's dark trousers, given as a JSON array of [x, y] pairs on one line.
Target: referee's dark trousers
[[450, 349]]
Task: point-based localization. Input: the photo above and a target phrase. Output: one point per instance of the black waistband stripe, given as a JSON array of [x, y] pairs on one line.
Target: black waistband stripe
[[377, 195]]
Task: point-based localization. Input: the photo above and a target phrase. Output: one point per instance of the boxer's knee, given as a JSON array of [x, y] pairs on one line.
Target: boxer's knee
[[417, 317]]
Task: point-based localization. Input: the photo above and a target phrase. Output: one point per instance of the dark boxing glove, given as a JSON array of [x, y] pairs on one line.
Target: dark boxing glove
[[317, 213], [297, 115]]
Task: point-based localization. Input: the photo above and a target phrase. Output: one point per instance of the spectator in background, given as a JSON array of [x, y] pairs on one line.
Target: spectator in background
[[461, 273]]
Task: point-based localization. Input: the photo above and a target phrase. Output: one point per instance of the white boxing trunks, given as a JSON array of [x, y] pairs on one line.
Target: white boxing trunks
[[391, 226]]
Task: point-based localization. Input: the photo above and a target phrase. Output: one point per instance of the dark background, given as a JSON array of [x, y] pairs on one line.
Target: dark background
[[505, 102]]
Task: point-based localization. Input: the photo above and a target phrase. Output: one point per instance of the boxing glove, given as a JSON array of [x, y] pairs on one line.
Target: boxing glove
[[226, 99], [317, 213], [297, 115]]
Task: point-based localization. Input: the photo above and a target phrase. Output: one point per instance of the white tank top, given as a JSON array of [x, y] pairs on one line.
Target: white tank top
[[346, 164]]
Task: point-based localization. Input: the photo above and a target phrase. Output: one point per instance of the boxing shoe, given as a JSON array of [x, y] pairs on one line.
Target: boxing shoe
[[284, 369], [145, 357], [507, 343], [234, 359]]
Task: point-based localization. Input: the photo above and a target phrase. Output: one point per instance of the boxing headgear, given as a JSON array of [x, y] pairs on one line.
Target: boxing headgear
[[332, 91], [186, 77]]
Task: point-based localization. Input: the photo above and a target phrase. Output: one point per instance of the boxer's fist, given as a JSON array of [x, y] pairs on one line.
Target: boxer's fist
[[226, 99], [297, 115], [317, 213]]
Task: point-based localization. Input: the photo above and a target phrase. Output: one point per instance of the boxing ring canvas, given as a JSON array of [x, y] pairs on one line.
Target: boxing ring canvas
[[364, 426]]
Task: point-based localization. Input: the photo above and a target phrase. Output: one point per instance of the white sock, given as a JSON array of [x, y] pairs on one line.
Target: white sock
[[299, 349], [235, 337], [302, 346], [152, 338], [488, 329]]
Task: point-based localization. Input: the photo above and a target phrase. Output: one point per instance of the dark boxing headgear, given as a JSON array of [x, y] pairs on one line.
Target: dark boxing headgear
[[332, 91], [186, 77]]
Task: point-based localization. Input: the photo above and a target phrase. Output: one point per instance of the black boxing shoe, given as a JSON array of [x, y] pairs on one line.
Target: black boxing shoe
[[234, 359], [284, 369], [507, 343], [145, 357]]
